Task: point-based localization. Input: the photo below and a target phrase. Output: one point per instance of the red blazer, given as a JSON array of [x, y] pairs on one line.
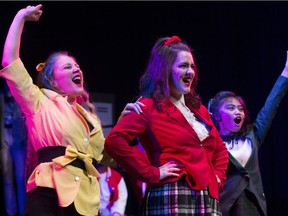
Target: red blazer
[[113, 178], [167, 136]]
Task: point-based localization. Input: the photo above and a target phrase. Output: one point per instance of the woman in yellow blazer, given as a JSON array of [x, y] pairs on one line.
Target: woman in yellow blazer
[[68, 139]]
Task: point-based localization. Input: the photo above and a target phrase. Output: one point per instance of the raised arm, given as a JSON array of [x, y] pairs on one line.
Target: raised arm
[[268, 111], [12, 44], [285, 70]]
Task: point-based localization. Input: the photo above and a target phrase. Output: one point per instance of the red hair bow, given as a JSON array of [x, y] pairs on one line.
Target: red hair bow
[[172, 40]]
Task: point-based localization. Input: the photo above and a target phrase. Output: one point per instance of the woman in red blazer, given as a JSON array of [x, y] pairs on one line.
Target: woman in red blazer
[[187, 159]]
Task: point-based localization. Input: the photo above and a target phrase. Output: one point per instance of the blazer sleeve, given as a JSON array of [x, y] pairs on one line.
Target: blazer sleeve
[[220, 159], [130, 157], [268, 111], [220, 156]]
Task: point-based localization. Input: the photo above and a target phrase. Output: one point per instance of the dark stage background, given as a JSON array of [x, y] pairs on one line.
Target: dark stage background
[[240, 46]]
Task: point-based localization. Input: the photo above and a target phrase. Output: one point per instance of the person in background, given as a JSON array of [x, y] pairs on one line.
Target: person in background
[[187, 160], [113, 192], [13, 157], [243, 193], [68, 139]]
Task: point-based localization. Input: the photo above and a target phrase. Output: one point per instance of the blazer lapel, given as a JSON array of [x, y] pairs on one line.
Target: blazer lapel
[[89, 118], [236, 165], [174, 113]]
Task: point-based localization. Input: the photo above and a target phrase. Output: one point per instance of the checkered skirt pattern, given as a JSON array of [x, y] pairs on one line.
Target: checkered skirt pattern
[[178, 199]]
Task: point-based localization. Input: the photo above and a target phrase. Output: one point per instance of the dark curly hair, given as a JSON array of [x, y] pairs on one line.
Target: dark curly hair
[[215, 103]]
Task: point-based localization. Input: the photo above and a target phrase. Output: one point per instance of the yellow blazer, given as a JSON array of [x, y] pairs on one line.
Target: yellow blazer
[[52, 121]]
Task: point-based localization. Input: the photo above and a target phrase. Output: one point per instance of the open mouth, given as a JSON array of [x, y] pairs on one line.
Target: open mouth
[[77, 79], [237, 120], [186, 81]]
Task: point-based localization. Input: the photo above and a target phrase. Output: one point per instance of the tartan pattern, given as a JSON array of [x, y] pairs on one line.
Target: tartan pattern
[[178, 199]]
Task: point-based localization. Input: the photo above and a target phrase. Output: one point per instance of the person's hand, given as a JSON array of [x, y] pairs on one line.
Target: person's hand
[[170, 169], [31, 13], [285, 70], [218, 181], [136, 107]]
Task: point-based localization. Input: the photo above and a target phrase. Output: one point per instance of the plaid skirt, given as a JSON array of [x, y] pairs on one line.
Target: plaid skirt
[[177, 198]]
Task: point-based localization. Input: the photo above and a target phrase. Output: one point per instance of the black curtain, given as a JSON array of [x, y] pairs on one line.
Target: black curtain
[[240, 46]]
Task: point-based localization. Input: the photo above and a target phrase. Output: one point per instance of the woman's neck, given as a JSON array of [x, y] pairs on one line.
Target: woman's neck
[[71, 100], [177, 97]]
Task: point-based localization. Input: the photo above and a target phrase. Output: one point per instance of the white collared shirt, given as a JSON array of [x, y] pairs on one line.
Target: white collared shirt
[[198, 127]]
